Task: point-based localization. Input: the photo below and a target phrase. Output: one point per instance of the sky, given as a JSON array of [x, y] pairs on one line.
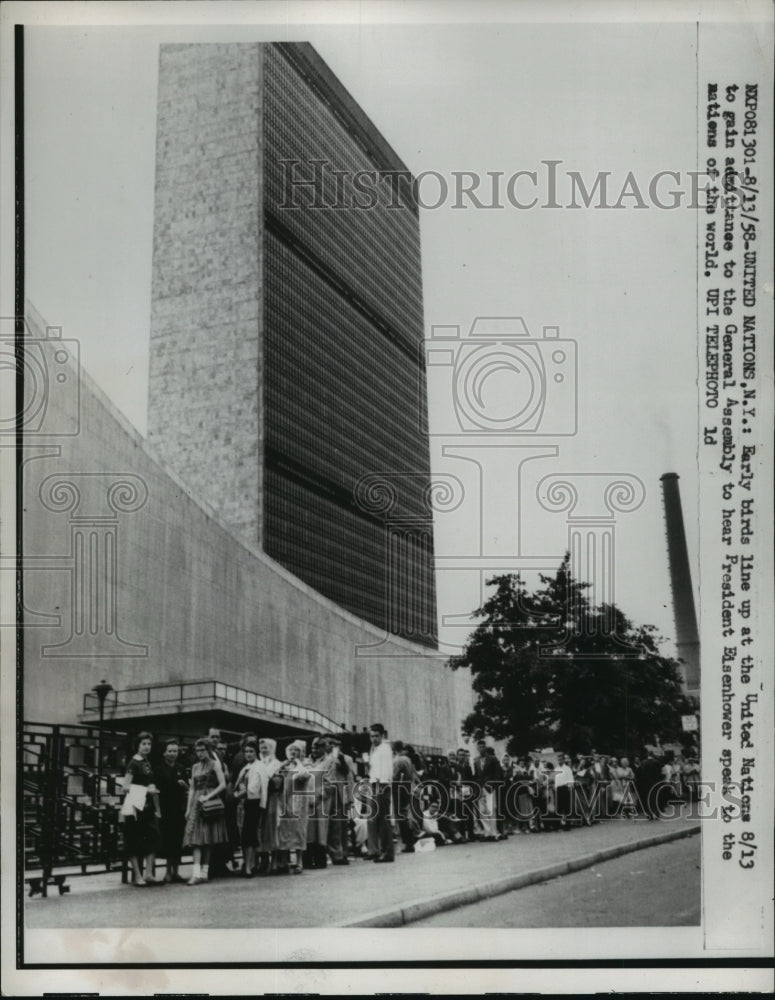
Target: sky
[[497, 97]]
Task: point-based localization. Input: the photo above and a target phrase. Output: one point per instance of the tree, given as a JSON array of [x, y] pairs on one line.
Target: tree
[[548, 668]]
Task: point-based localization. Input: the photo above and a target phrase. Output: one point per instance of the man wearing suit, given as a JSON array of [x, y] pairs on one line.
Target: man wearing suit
[[466, 794], [487, 775]]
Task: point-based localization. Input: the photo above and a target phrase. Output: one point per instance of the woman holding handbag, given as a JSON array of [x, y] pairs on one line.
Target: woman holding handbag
[[205, 814]]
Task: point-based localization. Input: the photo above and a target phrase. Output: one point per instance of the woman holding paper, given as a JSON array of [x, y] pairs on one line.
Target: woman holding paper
[[268, 766], [141, 813]]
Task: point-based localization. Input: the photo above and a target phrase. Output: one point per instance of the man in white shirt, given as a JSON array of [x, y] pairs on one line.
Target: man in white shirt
[[564, 772], [563, 781], [380, 778]]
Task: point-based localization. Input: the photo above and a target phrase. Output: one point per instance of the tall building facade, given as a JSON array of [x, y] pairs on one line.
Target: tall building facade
[[287, 385]]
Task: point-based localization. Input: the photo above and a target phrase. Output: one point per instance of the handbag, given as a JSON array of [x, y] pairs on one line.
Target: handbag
[[212, 808]]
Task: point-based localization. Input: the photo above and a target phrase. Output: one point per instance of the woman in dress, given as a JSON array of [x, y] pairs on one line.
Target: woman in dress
[[626, 776], [172, 782], [203, 830], [249, 787], [586, 783], [292, 824], [141, 813], [269, 765], [615, 788]]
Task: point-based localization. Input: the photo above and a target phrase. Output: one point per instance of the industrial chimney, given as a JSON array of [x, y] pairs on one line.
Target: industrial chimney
[[687, 636]]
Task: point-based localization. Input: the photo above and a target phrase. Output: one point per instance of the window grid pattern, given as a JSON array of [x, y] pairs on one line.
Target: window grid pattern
[[337, 398], [383, 576], [376, 249], [342, 338]]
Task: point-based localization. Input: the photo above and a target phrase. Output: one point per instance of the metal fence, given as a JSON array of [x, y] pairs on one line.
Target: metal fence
[[70, 785], [157, 695], [69, 777]]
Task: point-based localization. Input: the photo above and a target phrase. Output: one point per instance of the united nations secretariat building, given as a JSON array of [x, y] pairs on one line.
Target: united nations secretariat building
[[264, 560]]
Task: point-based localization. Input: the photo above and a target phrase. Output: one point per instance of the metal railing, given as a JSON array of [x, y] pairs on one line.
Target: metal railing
[[153, 696]]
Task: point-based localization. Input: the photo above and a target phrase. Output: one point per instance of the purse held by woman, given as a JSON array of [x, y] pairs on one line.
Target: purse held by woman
[[212, 807]]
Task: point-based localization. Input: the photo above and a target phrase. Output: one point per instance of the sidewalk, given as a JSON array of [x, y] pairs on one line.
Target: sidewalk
[[363, 894]]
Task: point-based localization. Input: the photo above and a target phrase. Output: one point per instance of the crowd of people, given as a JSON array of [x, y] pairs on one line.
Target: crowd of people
[[249, 811]]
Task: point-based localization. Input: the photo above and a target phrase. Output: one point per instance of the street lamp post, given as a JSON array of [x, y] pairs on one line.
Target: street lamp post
[[102, 690]]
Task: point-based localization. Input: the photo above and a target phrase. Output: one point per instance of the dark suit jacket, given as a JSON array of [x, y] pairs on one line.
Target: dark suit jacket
[[486, 770], [465, 772]]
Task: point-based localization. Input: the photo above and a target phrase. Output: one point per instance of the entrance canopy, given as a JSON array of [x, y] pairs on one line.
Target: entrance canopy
[[192, 706]]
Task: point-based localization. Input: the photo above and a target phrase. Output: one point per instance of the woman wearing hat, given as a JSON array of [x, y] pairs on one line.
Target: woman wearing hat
[[292, 823]]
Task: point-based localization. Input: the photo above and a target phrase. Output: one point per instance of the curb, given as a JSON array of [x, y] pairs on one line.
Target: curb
[[419, 909]]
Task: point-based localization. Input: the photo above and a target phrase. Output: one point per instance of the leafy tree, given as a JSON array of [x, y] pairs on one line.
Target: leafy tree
[[548, 668]]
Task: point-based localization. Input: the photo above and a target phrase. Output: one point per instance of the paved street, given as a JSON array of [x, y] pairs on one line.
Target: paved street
[[337, 895], [656, 887]]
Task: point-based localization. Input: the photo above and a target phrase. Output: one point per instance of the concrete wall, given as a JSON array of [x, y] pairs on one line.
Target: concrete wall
[[207, 276], [205, 604]]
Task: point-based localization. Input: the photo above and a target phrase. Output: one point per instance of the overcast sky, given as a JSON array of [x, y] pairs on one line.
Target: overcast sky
[[500, 98]]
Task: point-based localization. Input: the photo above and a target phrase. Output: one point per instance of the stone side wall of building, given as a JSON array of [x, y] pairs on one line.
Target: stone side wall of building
[[205, 384], [205, 604]]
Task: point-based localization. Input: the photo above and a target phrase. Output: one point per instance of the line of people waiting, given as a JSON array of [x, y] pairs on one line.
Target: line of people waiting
[[318, 803]]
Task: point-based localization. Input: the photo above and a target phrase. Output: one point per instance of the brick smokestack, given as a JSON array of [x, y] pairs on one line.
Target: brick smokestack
[[687, 636]]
